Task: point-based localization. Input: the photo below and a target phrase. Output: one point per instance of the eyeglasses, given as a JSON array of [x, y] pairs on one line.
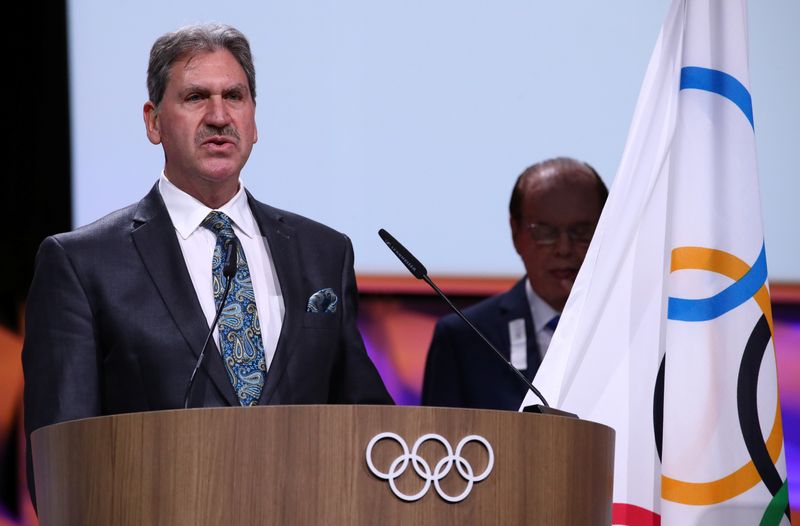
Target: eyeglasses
[[542, 234]]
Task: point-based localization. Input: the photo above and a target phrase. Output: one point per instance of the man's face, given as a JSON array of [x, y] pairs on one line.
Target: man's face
[[205, 123], [556, 202]]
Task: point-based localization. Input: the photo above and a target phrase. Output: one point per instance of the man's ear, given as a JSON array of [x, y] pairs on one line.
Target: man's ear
[[152, 122]]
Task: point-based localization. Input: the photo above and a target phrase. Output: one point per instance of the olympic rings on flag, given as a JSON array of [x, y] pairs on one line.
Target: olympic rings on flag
[[763, 454]]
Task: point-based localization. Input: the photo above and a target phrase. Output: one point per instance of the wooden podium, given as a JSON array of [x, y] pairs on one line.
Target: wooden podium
[[297, 465]]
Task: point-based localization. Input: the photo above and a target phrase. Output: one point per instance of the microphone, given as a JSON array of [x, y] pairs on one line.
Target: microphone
[[418, 270], [412, 264], [231, 258], [228, 270]]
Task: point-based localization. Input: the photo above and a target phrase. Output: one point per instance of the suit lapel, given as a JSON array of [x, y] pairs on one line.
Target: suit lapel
[[282, 244], [154, 237]]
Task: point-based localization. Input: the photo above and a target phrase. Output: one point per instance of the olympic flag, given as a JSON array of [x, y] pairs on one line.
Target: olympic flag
[[667, 335]]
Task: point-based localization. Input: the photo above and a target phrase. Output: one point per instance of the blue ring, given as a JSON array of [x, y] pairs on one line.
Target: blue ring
[[709, 308], [721, 83]]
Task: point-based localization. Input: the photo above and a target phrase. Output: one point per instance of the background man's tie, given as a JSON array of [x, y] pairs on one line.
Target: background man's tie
[[553, 323]]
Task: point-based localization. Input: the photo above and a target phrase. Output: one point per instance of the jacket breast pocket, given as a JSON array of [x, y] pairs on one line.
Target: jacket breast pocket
[[317, 320]]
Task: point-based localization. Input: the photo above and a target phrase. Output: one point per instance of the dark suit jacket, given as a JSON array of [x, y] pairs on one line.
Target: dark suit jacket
[[462, 371], [113, 324]]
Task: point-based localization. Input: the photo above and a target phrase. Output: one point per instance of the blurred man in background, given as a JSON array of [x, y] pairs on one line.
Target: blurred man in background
[[554, 209]]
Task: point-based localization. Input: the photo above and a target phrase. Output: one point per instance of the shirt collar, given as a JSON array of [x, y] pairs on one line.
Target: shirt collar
[[541, 312], [187, 213]]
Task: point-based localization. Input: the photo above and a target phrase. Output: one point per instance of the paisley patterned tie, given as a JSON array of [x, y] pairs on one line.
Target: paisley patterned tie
[[238, 326]]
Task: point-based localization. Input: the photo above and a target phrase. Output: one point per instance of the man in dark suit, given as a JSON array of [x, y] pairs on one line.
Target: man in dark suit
[[553, 212], [118, 310]]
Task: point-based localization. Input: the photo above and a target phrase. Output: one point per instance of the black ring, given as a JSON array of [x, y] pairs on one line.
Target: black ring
[[747, 402]]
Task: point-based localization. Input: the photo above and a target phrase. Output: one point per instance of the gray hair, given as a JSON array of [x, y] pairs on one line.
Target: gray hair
[[190, 40]]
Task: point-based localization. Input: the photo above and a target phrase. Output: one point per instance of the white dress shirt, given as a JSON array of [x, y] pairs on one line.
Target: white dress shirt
[[541, 313], [197, 244]]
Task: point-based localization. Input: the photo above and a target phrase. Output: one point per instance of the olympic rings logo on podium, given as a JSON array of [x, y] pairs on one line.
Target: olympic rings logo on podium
[[423, 469]]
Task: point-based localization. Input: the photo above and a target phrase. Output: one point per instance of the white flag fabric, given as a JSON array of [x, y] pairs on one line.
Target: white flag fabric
[[667, 334]]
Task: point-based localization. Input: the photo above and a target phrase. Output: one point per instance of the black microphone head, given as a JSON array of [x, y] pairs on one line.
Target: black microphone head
[[402, 253], [231, 258]]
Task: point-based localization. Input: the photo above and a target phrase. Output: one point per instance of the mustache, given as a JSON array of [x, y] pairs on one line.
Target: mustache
[[216, 131]]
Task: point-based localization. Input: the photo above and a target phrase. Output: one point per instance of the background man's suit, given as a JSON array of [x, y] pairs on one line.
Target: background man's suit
[[114, 324], [462, 371]]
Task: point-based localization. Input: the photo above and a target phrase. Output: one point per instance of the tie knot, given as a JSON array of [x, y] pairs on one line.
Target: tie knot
[[553, 323], [220, 224]]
